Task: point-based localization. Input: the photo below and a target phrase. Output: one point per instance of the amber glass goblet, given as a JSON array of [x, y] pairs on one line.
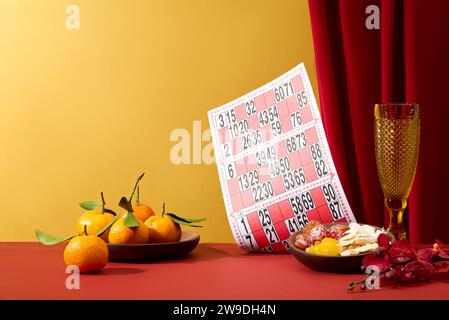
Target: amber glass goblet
[[396, 132]]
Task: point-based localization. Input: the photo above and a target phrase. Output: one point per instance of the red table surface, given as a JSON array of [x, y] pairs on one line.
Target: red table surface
[[211, 271]]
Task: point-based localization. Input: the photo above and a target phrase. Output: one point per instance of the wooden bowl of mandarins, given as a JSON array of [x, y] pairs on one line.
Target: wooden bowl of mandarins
[[154, 251], [135, 234]]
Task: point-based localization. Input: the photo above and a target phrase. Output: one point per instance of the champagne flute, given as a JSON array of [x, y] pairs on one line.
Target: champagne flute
[[396, 132]]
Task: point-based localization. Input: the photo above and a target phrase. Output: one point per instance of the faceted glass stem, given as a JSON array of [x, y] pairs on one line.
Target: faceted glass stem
[[396, 209]]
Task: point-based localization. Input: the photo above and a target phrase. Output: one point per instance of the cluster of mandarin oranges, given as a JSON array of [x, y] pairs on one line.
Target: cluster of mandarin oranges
[[136, 224]]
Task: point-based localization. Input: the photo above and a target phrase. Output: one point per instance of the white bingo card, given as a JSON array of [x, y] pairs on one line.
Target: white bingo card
[[275, 167]]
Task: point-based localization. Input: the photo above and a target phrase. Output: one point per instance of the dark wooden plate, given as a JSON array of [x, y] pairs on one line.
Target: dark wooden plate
[[154, 251], [333, 264]]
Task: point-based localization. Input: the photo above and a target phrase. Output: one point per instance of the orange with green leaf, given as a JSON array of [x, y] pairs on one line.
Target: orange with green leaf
[[141, 211], [166, 227], [95, 219], [137, 225], [128, 229]]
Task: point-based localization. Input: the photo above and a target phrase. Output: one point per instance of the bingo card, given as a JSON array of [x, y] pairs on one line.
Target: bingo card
[[275, 167]]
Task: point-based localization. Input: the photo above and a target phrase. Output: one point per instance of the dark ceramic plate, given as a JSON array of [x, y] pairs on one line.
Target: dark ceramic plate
[[154, 251], [334, 264]]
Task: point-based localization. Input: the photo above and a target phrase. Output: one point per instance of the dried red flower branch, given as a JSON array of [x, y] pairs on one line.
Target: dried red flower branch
[[401, 263]]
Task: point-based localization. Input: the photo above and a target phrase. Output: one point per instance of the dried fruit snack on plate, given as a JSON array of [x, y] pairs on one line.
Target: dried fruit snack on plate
[[336, 231], [301, 242], [338, 239], [314, 231], [359, 239]]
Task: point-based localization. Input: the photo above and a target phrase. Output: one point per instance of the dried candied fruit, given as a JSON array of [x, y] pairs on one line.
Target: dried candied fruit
[[308, 229], [301, 242], [326, 247], [316, 233], [337, 231]]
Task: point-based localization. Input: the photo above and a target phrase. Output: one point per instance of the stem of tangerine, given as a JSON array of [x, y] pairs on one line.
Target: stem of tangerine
[[85, 230], [103, 202], [135, 187]]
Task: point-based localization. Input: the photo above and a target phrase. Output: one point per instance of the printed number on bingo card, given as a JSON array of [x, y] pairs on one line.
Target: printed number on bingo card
[[274, 164]]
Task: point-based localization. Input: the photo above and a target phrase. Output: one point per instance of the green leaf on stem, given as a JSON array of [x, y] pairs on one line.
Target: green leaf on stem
[[186, 220], [89, 205], [49, 240], [193, 220], [183, 221], [106, 227], [130, 220], [124, 203]]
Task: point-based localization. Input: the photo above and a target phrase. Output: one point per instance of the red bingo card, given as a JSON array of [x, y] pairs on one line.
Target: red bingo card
[[275, 167]]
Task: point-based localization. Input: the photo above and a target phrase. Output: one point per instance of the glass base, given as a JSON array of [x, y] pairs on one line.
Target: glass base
[[398, 232]]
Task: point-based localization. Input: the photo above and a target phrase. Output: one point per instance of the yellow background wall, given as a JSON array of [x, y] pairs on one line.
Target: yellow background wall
[[88, 110]]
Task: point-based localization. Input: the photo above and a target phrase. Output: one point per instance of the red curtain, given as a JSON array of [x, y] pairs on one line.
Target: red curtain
[[406, 60]]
